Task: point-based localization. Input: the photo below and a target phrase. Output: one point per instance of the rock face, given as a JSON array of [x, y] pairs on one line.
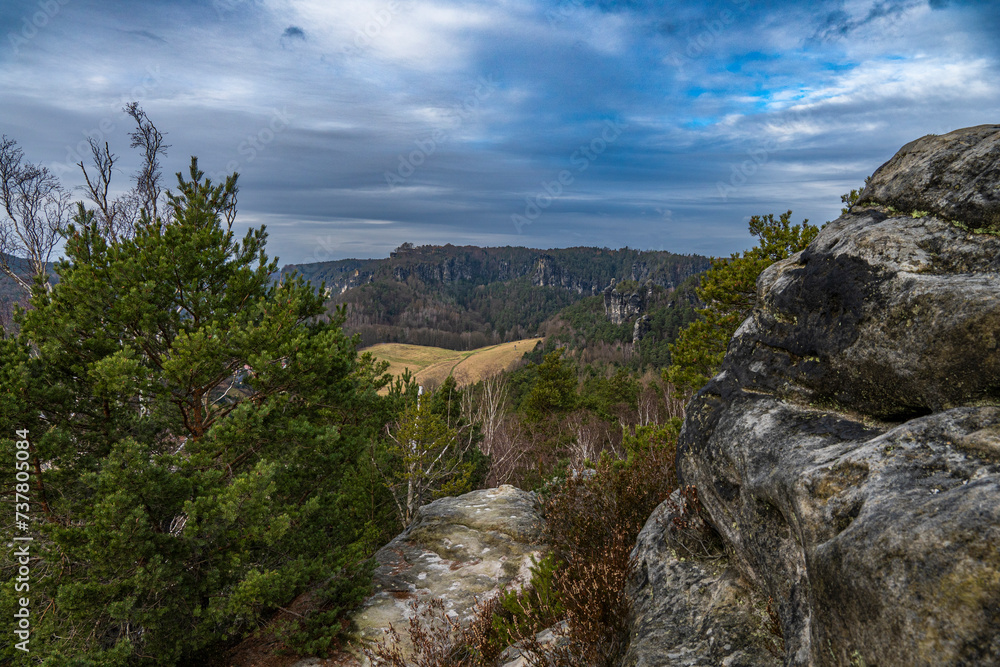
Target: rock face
[[549, 273], [456, 549], [849, 451], [640, 329], [955, 176], [687, 612], [620, 307]]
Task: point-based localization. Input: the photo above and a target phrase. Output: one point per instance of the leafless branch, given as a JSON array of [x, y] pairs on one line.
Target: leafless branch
[[148, 187], [35, 209]]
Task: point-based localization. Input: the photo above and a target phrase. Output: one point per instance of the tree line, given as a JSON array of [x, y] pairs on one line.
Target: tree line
[[206, 443]]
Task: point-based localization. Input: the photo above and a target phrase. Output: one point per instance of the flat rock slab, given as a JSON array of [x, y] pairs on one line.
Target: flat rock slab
[[457, 550]]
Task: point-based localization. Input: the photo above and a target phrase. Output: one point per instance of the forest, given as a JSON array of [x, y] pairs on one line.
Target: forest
[[203, 443]]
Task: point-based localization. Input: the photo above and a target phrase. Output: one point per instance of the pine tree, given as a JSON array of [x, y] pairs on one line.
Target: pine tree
[[196, 428], [729, 291]]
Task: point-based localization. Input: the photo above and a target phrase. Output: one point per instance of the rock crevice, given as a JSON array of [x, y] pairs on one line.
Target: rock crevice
[[849, 451]]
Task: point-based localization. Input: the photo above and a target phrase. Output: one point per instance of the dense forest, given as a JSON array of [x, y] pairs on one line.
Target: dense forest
[[464, 297], [194, 444]]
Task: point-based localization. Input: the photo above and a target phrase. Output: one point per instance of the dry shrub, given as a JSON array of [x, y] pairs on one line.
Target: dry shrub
[[592, 523], [437, 640], [688, 531]]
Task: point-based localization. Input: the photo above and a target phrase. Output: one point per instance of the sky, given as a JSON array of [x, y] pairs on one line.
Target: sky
[[357, 126]]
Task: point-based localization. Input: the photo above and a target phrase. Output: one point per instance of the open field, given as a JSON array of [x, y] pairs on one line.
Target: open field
[[431, 365]]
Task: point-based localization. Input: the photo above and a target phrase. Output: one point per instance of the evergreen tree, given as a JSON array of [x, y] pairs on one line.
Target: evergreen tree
[[554, 389], [194, 429], [729, 291]]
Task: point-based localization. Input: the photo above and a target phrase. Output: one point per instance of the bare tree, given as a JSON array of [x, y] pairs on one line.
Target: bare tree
[[491, 407], [117, 217], [36, 207], [147, 181]]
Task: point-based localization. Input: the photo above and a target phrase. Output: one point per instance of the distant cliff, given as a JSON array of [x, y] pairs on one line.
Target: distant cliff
[[582, 270], [462, 297]]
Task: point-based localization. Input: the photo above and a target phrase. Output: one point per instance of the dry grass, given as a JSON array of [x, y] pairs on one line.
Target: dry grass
[[431, 365]]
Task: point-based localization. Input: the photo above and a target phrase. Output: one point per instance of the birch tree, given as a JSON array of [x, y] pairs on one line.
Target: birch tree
[[35, 208]]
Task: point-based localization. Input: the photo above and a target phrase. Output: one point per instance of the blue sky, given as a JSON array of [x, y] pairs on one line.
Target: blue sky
[[359, 125]]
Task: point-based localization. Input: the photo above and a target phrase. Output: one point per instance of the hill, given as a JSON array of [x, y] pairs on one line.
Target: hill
[[431, 365], [466, 297], [628, 325]]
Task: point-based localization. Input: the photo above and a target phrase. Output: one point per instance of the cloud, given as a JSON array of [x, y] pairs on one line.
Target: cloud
[[839, 24], [814, 96]]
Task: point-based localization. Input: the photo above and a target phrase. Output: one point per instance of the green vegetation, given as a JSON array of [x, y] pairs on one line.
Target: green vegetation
[[197, 440], [852, 197], [729, 291], [430, 453]]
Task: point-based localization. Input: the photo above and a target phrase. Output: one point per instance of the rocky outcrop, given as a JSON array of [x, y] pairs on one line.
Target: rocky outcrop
[[954, 176], [849, 451], [449, 270], [456, 550], [640, 329], [619, 307], [688, 611], [549, 273]]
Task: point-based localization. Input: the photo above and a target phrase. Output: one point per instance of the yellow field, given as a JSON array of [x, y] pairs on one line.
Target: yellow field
[[431, 365]]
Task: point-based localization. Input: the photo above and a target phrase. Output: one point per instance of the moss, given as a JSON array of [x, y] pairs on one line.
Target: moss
[[845, 474], [983, 444]]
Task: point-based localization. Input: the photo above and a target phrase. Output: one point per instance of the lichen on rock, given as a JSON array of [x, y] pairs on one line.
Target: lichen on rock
[[849, 451]]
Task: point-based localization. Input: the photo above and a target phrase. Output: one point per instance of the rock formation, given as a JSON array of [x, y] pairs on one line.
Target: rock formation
[[620, 307], [688, 611], [640, 329], [456, 550], [954, 176], [849, 452], [549, 273]]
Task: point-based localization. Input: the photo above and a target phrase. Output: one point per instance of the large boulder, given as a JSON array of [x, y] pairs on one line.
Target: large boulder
[[849, 451], [692, 608], [955, 176], [457, 550]]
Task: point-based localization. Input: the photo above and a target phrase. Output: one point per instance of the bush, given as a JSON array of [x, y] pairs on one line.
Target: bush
[[592, 524]]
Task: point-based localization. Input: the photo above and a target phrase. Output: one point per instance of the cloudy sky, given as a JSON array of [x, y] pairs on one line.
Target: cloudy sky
[[358, 125]]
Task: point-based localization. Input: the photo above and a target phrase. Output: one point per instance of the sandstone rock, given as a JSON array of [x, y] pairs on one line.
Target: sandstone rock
[[891, 316], [849, 451], [620, 307], [456, 550], [640, 329], [690, 612], [955, 175]]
